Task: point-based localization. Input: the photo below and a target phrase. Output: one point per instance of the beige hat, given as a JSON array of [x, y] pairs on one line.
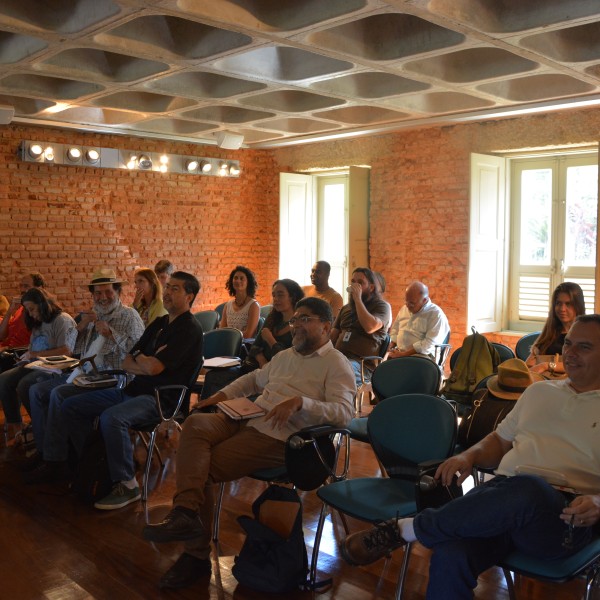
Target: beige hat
[[512, 379], [104, 275]]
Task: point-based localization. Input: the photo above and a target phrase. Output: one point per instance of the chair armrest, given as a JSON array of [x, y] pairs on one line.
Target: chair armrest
[[157, 391], [376, 359], [120, 373], [310, 444]]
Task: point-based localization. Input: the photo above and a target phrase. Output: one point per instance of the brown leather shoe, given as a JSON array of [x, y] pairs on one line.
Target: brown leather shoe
[[179, 525], [365, 547], [186, 571]]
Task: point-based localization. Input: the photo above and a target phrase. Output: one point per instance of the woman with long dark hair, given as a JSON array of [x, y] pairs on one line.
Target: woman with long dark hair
[[53, 332], [567, 304]]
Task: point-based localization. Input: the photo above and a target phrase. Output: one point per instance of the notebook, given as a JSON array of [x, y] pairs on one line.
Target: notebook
[[240, 408]]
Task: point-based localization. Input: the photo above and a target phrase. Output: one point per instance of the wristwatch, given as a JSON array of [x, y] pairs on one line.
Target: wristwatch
[[552, 366]]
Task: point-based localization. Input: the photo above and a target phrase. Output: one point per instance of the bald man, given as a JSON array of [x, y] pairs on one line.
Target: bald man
[[419, 326]]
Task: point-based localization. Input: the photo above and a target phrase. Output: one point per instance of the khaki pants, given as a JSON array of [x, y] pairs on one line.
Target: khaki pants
[[214, 448]]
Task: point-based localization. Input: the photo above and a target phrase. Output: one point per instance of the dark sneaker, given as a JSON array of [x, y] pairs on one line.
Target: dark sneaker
[[119, 497], [47, 472], [365, 547], [179, 525], [186, 571]]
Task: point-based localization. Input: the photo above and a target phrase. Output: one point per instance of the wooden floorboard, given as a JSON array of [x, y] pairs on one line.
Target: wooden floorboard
[[55, 547]]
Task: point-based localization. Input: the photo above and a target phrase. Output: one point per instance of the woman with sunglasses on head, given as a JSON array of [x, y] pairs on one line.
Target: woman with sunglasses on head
[[276, 335], [566, 305]]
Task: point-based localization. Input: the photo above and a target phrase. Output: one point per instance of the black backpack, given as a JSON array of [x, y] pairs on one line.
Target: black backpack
[[477, 359], [92, 481], [273, 561]]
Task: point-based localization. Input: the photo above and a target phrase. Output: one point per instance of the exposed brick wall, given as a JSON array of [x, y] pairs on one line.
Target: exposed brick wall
[[420, 181], [65, 221]]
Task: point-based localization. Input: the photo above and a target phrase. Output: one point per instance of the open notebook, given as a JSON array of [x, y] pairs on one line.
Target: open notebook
[[240, 408]]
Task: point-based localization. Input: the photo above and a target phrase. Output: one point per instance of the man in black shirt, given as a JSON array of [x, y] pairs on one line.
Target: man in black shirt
[[168, 353]]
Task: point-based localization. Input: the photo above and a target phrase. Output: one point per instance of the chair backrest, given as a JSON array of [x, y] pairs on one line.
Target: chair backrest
[[442, 350], [412, 428], [523, 347], [220, 308], [261, 322], [503, 351], [265, 310], [406, 375], [208, 319], [222, 342]]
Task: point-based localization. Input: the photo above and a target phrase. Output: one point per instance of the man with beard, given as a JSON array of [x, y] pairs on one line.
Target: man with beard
[[169, 353], [308, 384], [108, 332], [319, 277], [360, 328]]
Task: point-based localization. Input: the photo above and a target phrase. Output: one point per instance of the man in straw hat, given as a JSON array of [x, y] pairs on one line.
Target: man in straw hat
[[108, 332], [550, 437]]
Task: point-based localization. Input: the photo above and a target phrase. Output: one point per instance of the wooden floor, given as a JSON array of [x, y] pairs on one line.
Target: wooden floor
[[54, 547]]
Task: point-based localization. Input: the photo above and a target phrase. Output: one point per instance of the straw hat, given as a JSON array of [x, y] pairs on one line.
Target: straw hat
[[512, 379], [104, 275]]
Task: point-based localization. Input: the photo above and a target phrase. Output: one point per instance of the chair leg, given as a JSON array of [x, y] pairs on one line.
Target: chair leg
[[315, 552], [592, 581], [403, 571], [217, 515], [146, 476], [510, 584]]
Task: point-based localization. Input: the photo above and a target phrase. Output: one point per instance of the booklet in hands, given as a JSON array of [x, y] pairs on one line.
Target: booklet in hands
[[240, 409]]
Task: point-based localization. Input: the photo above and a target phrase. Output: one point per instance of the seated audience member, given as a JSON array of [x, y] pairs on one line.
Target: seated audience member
[[148, 296], [275, 335], [552, 429], [419, 325], [168, 353], [4, 304], [308, 384], [163, 269], [107, 332], [319, 277], [13, 331], [53, 332], [360, 328], [243, 311], [567, 303]]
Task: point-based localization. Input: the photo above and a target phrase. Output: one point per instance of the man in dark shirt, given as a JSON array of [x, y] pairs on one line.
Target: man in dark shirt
[[168, 353], [361, 326]]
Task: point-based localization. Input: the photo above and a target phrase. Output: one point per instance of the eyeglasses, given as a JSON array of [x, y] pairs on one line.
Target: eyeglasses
[[304, 319]]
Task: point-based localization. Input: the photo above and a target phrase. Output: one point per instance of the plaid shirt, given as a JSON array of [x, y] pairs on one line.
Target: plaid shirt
[[126, 326]]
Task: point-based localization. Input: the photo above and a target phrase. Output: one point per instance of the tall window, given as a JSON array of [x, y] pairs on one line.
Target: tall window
[[553, 231]]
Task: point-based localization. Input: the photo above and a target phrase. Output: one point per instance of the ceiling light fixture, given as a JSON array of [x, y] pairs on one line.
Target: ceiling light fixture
[[112, 158]]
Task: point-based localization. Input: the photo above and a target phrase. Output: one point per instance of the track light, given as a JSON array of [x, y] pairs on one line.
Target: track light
[[74, 154], [145, 162], [223, 169], [234, 170], [205, 166], [35, 151], [191, 165], [92, 156], [49, 154]]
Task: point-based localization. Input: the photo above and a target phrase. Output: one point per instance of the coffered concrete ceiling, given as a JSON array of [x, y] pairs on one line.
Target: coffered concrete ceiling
[[287, 71]]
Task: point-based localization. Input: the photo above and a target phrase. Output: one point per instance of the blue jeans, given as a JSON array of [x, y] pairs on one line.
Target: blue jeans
[[118, 412], [475, 532], [49, 426]]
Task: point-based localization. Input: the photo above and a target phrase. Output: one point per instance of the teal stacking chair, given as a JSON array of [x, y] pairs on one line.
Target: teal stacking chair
[[585, 563], [523, 347], [208, 319], [405, 375], [265, 310], [407, 432]]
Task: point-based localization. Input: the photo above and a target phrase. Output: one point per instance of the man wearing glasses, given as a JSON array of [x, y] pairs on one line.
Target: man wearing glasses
[[308, 384]]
